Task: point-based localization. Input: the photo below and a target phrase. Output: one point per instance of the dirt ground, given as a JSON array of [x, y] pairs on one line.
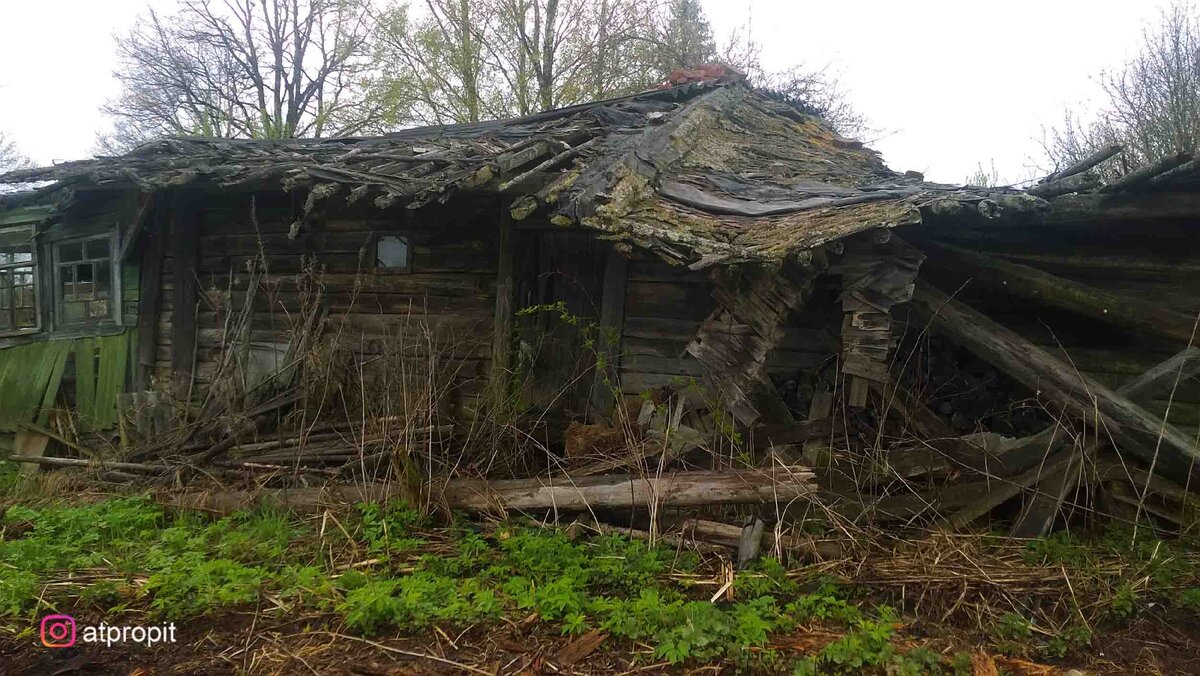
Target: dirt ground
[[248, 643]]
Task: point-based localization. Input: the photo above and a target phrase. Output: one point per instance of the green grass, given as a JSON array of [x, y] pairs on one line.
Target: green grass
[[383, 570], [190, 566]]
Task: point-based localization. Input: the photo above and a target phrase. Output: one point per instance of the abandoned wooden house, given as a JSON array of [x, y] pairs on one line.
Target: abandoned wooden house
[[703, 240]]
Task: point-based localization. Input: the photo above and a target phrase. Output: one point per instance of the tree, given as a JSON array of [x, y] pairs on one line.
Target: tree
[[10, 157], [245, 69], [1152, 102], [464, 60], [685, 37]]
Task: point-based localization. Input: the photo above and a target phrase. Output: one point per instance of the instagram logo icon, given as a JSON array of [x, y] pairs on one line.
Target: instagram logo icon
[[58, 631]]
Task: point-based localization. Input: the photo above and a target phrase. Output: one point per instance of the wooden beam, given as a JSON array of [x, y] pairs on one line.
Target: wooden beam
[[1062, 186], [1162, 377], [183, 303], [1029, 282], [612, 325], [1140, 432], [144, 213], [502, 325], [1092, 208], [1002, 490], [1136, 178], [1084, 164]]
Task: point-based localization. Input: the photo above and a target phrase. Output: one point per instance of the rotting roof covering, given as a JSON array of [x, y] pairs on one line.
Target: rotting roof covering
[[701, 173]]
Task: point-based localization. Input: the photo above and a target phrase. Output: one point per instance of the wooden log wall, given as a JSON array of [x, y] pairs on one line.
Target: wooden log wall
[[666, 304], [1156, 263], [451, 288]]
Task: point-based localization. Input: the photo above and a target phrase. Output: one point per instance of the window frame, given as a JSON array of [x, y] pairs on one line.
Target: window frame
[[113, 317], [408, 245], [34, 264]]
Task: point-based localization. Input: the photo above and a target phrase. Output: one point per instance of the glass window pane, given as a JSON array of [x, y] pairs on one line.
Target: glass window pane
[[25, 257], [392, 253], [26, 318], [97, 309], [70, 252], [97, 248]]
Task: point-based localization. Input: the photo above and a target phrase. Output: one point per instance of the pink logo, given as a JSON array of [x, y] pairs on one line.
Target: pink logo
[[58, 631]]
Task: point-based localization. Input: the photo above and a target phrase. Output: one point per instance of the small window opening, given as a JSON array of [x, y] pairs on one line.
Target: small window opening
[[392, 253]]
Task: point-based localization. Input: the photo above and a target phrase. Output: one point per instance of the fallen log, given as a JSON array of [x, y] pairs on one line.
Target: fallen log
[[1151, 439], [672, 489], [676, 489], [94, 464]]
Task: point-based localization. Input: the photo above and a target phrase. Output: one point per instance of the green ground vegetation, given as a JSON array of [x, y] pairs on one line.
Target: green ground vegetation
[[385, 570]]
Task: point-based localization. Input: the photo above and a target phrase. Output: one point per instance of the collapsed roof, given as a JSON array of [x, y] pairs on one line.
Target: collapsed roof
[[701, 173]]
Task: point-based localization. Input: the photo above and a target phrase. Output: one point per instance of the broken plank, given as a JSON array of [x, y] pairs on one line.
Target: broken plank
[[1140, 432], [1009, 488]]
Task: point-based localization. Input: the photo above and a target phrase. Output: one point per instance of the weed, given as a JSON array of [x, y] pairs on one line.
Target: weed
[[1068, 638]]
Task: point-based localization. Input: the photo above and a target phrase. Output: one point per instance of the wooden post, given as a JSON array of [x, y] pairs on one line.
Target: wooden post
[[183, 301], [612, 325], [502, 324], [1153, 440], [149, 297]]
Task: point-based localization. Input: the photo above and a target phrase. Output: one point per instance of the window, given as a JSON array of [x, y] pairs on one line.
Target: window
[[18, 281], [392, 254], [83, 277]]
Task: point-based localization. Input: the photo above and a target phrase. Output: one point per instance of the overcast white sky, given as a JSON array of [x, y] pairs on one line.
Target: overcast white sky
[[953, 83]]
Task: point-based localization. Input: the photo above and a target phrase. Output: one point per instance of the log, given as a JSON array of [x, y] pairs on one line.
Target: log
[[1140, 432], [1083, 165], [1024, 453], [673, 489], [1136, 178], [1091, 208], [1076, 183], [679, 489], [1028, 282], [81, 462]]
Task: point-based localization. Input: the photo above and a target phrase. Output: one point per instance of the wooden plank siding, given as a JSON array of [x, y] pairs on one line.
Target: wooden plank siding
[[666, 304], [450, 290]]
